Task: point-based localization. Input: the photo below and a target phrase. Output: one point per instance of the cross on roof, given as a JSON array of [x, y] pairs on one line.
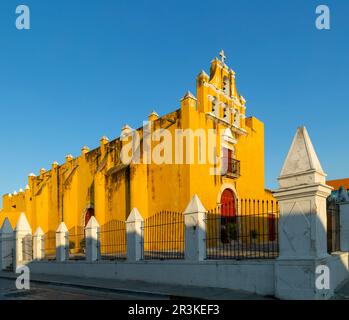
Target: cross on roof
[[222, 56]]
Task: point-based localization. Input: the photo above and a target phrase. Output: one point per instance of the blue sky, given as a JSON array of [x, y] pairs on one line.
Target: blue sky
[[87, 67]]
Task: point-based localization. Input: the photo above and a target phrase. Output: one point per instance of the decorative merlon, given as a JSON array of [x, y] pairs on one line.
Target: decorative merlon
[[93, 223], [126, 129], [69, 157], [85, 149], [153, 116], [189, 95], [104, 140], [203, 74], [31, 175], [39, 232], [23, 224], [134, 216], [62, 228], [195, 206], [302, 166], [6, 227]]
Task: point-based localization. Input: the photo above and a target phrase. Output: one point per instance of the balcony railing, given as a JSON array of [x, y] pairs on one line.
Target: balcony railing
[[231, 168]]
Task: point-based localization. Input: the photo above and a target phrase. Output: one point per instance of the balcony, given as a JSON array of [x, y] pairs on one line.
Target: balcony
[[231, 168]]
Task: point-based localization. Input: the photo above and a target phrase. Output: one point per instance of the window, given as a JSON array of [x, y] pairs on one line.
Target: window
[[227, 160], [226, 85], [237, 118], [214, 105], [226, 113], [230, 165]]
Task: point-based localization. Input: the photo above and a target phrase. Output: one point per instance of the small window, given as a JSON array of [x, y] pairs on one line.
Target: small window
[[226, 85], [214, 105], [237, 118], [226, 113]]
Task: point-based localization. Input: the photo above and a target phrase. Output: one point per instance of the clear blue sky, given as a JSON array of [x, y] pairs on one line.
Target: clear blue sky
[[87, 67]]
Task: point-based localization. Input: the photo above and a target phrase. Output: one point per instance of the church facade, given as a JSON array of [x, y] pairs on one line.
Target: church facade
[[220, 170]]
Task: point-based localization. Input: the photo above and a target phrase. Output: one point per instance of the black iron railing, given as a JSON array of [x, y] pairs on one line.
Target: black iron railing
[[49, 245], [231, 168], [245, 229], [333, 226], [163, 236], [77, 243], [27, 248], [8, 252], [112, 240]]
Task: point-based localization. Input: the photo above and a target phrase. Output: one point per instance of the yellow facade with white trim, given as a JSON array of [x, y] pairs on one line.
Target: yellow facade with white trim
[[97, 180]]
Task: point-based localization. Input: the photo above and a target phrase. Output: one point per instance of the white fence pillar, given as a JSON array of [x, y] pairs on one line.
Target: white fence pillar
[[38, 245], [23, 242], [303, 222], [134, 236], [92, 240], [195, 230], [62, 243], [6, 246]]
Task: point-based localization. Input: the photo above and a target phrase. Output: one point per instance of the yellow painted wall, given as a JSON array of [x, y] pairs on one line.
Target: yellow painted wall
[[96, 179]]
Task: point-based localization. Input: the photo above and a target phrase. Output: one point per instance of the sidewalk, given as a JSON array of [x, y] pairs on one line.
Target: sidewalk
[[156, 291], [343, 292]]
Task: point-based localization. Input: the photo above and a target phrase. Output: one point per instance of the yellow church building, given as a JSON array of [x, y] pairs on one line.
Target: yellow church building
[[206, 147]]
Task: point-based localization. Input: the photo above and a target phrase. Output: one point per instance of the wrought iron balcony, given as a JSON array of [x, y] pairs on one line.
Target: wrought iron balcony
[[231, 168]]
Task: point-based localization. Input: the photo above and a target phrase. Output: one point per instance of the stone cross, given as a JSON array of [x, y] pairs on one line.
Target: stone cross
[[222, 56]]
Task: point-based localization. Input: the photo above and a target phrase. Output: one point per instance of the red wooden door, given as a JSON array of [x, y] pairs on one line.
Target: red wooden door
[[228, 204]]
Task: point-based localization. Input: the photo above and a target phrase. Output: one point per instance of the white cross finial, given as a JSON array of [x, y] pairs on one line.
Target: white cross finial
[[222, 56]]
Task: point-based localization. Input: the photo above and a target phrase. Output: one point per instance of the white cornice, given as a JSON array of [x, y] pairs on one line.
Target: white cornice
[[233, 127]]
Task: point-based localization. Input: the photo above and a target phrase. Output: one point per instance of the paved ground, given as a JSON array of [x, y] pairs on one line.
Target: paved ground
[[343, 292], [63, 287], [41, 291]]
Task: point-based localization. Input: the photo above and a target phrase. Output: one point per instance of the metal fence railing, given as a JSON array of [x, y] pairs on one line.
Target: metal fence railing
[[112, 240], [244, 229], [27, 248], [333, 226], [8, 251], [77, 243], [50, 245], [163, 236]]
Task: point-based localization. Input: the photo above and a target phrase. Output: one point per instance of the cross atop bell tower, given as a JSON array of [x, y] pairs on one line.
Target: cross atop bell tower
[[223, 57]]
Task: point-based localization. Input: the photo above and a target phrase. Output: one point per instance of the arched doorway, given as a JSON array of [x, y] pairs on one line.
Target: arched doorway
[[90, 212], [228, 216], [228, 203]]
